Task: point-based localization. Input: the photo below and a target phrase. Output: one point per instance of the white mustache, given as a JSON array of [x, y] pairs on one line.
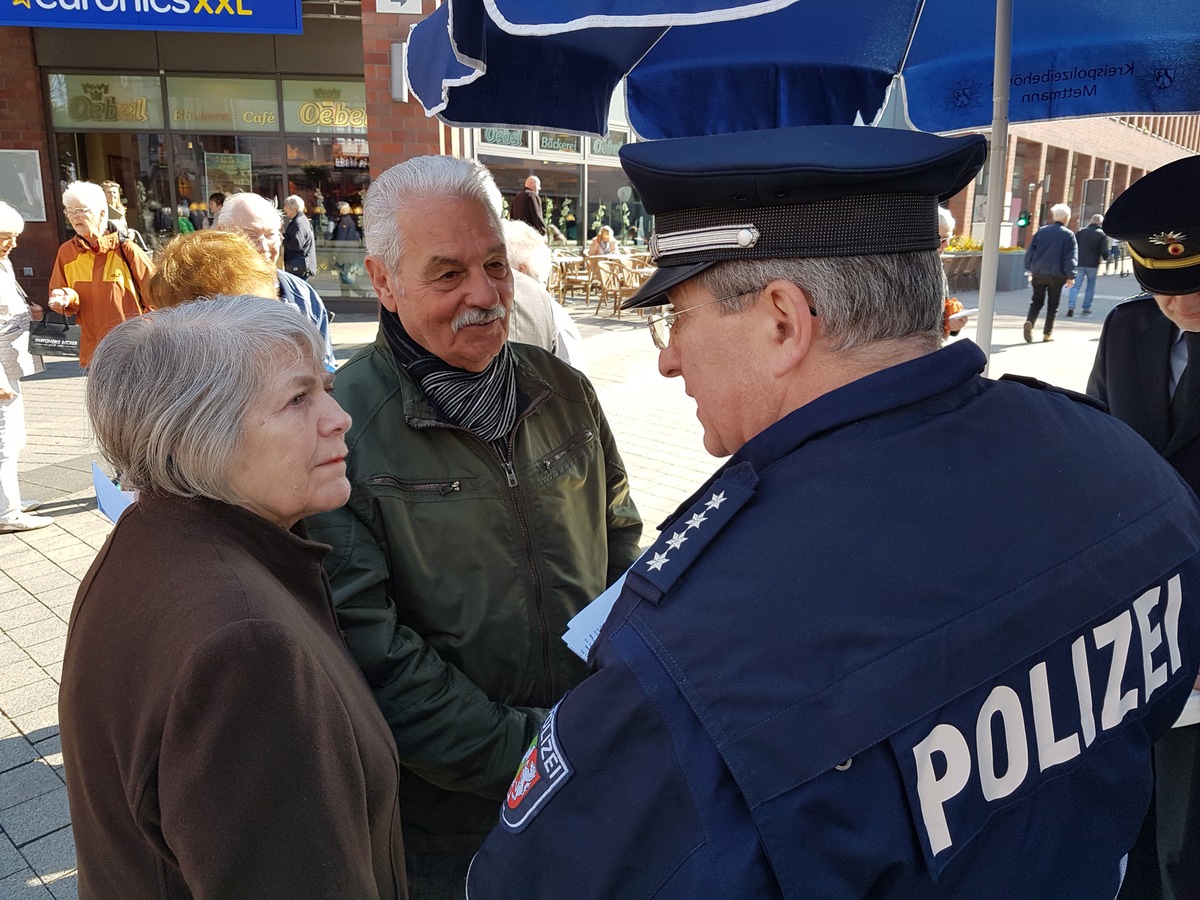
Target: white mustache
[[477, 316]]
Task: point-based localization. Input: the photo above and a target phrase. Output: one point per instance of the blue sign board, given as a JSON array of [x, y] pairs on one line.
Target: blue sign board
[[248, 16]]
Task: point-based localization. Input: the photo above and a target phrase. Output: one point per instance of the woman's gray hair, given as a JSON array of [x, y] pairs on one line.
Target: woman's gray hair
[[10, 220], [295, 201], [859, 299], [86, 193], [422, 179], [168, 391]]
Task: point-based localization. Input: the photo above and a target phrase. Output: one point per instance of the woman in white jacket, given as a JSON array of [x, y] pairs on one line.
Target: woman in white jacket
[[16, 313]]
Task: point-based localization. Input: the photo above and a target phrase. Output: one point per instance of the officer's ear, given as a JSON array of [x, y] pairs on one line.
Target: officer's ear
[[790, 324]]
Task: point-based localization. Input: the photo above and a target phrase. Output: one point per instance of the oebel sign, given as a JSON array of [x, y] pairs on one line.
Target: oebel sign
[[251, 16]]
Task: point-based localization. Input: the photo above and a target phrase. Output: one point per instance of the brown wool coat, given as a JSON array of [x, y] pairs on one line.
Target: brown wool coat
[[218, 739]]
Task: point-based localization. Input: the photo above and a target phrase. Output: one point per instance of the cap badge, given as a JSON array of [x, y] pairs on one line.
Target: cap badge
[[1168, 237]]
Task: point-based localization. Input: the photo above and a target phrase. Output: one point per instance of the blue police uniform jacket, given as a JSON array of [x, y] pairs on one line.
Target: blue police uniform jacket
[[836, 675]]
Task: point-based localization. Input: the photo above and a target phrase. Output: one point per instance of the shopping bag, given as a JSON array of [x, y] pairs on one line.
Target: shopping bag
[[47, 338]]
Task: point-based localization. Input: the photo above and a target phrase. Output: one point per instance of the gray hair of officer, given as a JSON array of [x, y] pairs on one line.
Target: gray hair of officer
[[859, 299], [1060, 212], [416, 180], [296, 202], [528, 251], [168, 391], [1097, 219]]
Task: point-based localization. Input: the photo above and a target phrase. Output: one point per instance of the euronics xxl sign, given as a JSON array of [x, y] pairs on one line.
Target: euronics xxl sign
[[273, 16]]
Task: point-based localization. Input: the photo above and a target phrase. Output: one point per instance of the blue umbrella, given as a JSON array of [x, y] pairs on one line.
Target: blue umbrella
[[711, 66], [697, 67]]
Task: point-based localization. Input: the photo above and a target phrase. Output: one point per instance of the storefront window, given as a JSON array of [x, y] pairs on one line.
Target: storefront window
[[224, 163], [222, 135], [612, 201], [326, 171], [238, 105], [560, 193], [111, 102], [137, 162], [325, 107]]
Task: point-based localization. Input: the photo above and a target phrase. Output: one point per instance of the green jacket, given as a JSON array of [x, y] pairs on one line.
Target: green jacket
[[454, 575]]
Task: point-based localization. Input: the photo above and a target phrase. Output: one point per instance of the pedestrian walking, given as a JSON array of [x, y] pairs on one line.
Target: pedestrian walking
[[1051, 261]]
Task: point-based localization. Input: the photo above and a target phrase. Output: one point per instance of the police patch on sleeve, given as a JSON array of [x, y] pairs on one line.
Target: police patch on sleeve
[[543, 771]]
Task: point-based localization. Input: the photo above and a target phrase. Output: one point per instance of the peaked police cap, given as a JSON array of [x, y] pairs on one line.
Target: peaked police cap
[[822, 190], [1159, 216]]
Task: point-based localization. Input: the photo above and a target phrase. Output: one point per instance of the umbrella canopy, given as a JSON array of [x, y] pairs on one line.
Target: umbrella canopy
[[713, 66]]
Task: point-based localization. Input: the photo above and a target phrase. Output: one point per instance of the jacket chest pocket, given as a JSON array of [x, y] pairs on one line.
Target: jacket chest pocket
[[418, 490], [559, 460]]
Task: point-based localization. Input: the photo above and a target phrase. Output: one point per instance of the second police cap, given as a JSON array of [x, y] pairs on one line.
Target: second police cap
[[820, 190], [1159, 216]]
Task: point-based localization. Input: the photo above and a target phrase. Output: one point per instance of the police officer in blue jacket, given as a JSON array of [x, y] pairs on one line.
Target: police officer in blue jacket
[[794, 695]]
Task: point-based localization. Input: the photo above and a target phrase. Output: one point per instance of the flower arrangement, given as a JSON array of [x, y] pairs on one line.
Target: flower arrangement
[[961, 243]]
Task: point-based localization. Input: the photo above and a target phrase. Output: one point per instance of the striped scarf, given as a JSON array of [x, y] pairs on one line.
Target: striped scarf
[[484, 403]]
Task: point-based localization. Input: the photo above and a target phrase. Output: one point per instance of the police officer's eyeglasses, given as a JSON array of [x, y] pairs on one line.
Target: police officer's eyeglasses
[[660, 324]]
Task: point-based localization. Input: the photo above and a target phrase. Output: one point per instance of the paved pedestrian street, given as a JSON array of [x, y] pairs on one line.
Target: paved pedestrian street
[[656, 430]]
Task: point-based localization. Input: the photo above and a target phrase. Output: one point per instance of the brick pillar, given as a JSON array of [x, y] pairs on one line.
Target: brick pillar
[[396, 131], [23, 127]]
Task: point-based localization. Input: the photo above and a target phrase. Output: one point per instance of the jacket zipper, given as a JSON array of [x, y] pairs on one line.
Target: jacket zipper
[[531, 564], [577, 441], [442, 487], [526, 537]]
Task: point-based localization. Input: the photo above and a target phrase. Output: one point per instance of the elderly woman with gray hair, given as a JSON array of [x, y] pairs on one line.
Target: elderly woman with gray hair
[[299, 244], [16, 313], [218, 739], [97, 276]]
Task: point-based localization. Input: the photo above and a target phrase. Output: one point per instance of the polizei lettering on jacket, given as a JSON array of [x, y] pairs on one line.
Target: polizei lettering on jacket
[[1078, 690]]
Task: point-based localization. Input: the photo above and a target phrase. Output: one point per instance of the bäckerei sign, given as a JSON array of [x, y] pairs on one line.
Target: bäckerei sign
[[251, 16]]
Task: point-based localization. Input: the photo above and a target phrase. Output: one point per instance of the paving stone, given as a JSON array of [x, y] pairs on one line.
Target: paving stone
[[39, 724], [20, 616], [24, 885], [13, 599], [53, 858], [54, 576], [51, 751], [10, 859], [17, 674], [29, 698], [47, 629], [16, 751], [26, 782], [35, 818], [47, 653], [66, 886]]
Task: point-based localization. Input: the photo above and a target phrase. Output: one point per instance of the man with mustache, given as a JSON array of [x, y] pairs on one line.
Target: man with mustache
[[489, 504]]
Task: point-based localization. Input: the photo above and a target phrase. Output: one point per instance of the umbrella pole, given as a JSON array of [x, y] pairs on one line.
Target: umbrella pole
[[997, 169]]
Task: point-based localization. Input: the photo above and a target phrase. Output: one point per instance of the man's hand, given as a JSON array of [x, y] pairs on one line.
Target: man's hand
[[35, 311], [6, 394], [1069, 282]]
